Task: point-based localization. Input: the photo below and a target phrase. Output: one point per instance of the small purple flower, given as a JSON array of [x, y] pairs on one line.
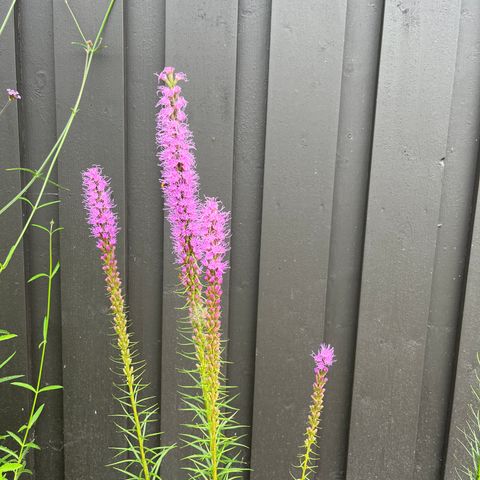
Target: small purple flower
[[13, 94], [99, 205], [324, 358]]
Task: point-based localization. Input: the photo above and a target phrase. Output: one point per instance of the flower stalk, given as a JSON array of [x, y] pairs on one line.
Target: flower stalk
[[324, 359], [199, 232], [104, 227]]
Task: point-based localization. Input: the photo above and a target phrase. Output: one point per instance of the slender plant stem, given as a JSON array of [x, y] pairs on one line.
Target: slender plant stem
[[7, 16], [5, 106], [138, 428], [51, 159], [124, 346], [29, 424]]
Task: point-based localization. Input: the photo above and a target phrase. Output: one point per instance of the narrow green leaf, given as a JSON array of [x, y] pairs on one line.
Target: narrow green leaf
[[7, 336], [15, 437], [36, 415], [26, 200], [10, 378], [10, 467], [47, 204], [55, 270], [24, 385], [38, 275], [41, 227], [48, 388]]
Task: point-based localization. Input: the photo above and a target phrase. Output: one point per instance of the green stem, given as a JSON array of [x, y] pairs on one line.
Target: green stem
[[52, 157], [306, 462], [118, 308], [5, 106], [38, 387], [138, 428], [7, 16]]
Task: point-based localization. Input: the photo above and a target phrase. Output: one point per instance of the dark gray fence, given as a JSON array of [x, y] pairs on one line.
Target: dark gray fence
[[344, 137]]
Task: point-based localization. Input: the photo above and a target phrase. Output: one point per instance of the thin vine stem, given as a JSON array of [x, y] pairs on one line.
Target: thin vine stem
[[5, 106], [50, 161], [7, 16]]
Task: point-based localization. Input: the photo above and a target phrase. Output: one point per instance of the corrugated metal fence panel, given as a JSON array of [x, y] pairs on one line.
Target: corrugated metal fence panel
[[344, 138]]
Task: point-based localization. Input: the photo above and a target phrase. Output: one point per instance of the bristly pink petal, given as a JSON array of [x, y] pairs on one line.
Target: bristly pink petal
[[324, 358], [13, 94], [212, 241], [180, 180], [97, 198]]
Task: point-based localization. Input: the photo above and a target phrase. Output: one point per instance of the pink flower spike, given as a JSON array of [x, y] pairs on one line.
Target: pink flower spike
[[212, 241], [324, 358], [97, 198], [180, 180], [13, 94]]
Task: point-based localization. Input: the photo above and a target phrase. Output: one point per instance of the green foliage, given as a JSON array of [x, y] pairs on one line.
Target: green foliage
[[15, 446], [4, 337], [211, 455], [471, 435], [44, 173], [141, 455]]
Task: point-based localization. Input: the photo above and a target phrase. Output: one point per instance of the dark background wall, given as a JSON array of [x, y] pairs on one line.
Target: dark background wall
[[343, 135]]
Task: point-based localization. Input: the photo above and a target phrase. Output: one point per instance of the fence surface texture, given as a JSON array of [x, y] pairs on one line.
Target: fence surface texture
[[343, 135]]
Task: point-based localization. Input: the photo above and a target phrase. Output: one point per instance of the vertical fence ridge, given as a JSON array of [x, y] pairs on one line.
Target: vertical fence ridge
[[13, 314], [450, 261], [306, 47], [466, 345], [405, 189], [96, 138], [352, 170], [249, 145], [144, 26]]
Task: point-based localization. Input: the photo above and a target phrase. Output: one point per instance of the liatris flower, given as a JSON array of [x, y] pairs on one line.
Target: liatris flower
[[213, 226], [324, 359], [104, 227], [13, 94], [179, 178], [199, 234], [99, 205]]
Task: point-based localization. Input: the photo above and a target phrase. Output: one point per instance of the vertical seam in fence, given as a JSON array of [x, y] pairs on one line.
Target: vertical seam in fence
[[252, 425], [435, 265], [24, 244], [460, 315], [364, 223]]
